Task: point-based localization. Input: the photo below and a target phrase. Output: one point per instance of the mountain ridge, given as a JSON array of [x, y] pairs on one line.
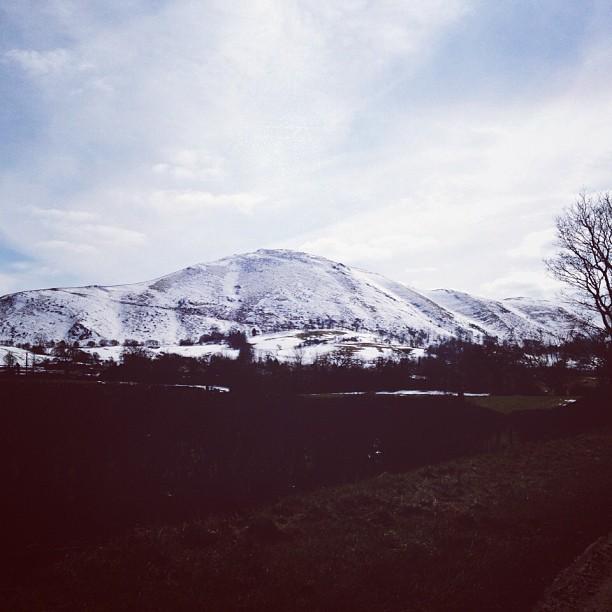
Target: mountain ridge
[[272, 290]]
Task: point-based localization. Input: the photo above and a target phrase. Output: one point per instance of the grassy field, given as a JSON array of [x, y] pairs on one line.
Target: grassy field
[[505, 404], [159, 499], [482, 533]]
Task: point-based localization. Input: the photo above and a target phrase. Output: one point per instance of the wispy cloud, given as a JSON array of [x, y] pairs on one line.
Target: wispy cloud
[[190, 165], [72, 248], [192, 202], [62, 216], [39, 63], [535, 245]]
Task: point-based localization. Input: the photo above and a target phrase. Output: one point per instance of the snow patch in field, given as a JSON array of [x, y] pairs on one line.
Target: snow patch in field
[[430, 392], [200, 350], [408, 392]]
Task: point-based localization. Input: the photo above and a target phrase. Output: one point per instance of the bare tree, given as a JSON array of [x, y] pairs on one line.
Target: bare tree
[[584, 258], [9, 360], [298, 355]]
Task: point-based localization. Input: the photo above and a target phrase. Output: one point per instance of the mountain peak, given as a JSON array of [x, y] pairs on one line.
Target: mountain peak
[[287, 254]]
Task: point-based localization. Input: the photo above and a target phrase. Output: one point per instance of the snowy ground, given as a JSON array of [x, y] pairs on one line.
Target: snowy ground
[[114, 352], [407, 392], [306, 346], [294, 346], [217, 388], [21, 355]]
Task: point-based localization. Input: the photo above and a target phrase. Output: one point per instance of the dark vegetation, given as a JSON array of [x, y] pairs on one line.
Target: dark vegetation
[[229, 512], [83, 460], [219, 500], [454, 365], [86, 458]]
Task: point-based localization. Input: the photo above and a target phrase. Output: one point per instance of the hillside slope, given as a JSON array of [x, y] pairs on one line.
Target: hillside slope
[[270, 291]]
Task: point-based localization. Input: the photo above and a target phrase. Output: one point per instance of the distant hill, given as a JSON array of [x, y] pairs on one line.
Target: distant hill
[[269, 291]]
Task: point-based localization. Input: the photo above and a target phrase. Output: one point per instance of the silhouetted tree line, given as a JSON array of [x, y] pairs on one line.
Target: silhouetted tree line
[[507, 368], [456, 365]]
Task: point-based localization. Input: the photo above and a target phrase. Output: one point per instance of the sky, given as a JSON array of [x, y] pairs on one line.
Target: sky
[[432, 141]]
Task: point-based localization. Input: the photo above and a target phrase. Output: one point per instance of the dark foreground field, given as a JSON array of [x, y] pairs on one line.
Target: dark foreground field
[[139, 498]]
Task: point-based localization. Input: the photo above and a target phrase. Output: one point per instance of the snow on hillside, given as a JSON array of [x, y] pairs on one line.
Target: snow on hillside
[[513, 319], [289, 346], [271, 292], [20, 356], [306, 346], [545, 313]]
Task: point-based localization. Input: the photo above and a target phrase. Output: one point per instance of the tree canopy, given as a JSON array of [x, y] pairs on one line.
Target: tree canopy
[[584, 257]]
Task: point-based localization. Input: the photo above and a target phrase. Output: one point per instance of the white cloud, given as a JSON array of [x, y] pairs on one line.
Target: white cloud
[[39, 63], [190, 165], [8, 283], [535, 245], [522, 282], [193, 201], [344, 250], [73, 226], [110, 235], [67, 247], [29, 274], [62, 216]]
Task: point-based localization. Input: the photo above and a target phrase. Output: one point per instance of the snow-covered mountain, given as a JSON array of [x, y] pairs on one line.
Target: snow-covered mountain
[[270, 291]]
